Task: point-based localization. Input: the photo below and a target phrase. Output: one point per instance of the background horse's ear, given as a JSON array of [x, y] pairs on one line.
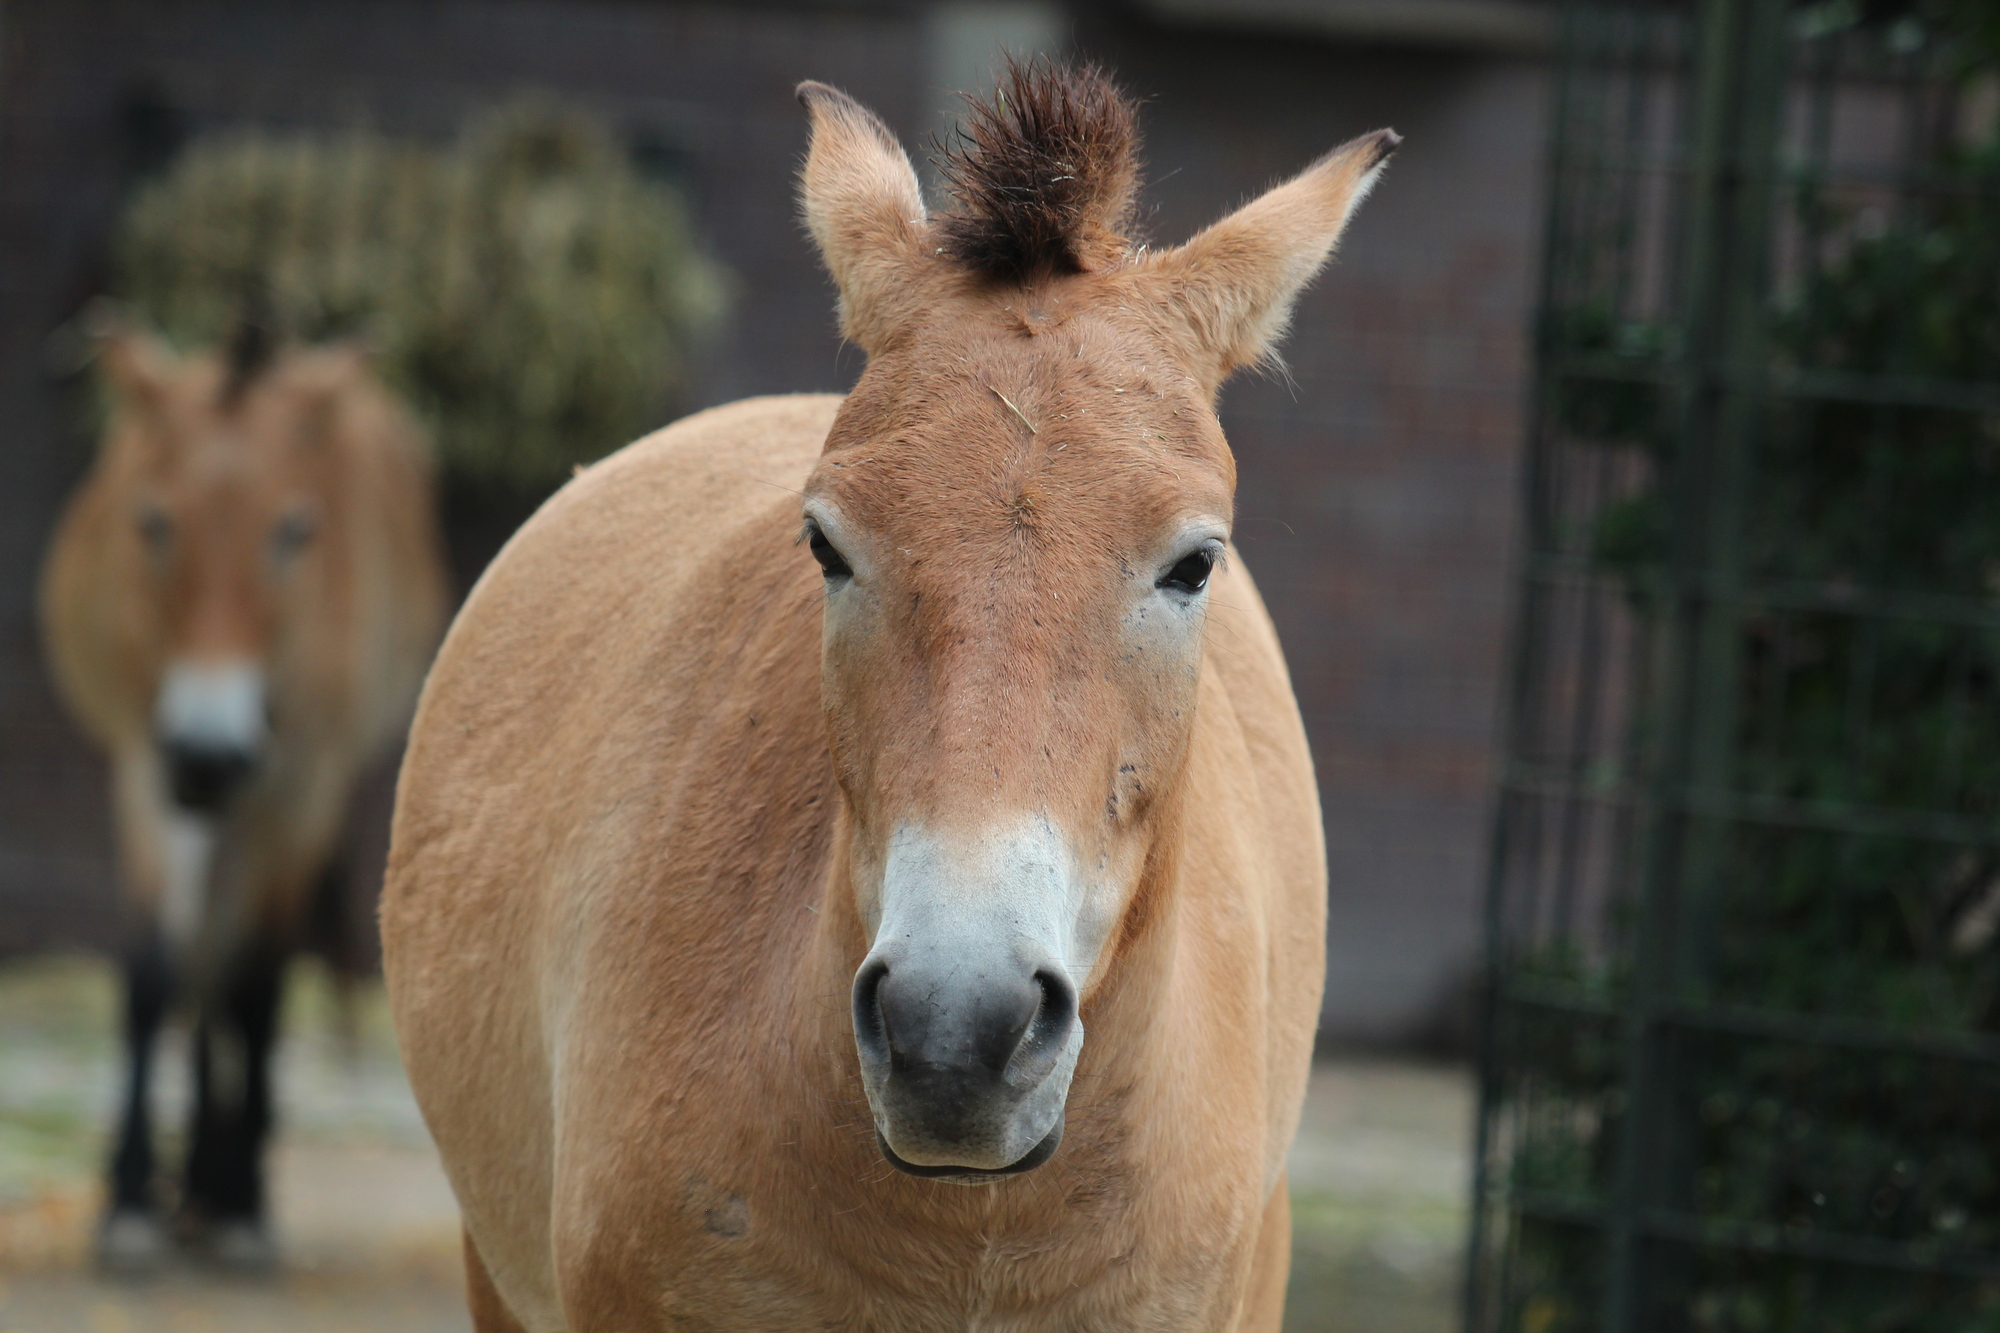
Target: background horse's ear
[[318, 379], [136, 362], [332, 367], [1237, 280], [864, 209]]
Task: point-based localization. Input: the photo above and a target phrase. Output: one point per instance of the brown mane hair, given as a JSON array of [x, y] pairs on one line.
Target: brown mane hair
[[1045, 174]]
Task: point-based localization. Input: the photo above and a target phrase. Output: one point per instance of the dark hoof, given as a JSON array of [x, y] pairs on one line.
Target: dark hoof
[[242, 1249], [237, 1247], [131, 1243]]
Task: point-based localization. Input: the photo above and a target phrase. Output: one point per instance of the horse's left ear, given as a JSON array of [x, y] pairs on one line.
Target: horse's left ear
[[864, 209], [1237, 280]]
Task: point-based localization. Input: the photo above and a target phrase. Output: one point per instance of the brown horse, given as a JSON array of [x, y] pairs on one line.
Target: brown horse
[[239, 606], [743, 912]]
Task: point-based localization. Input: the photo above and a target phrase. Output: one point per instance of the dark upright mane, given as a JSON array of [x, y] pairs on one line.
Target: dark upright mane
[[1044, 177], [253, 346]]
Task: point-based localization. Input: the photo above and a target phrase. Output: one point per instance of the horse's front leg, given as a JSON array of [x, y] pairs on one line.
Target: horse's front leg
[[132, 1239], [224, 1196], [1270, 1268]]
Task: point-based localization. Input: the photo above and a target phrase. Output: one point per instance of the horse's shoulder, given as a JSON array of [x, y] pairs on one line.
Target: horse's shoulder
[[622, 526], [626, 635], [681, 488], [640, 566]]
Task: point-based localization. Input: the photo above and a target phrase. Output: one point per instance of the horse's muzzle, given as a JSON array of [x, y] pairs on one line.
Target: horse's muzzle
[[210, 722], [203, 778], [966, 1063]]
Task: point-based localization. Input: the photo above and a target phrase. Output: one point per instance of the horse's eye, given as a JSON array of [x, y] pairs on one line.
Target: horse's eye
[[292, 534], [1190, 573], [830, 562], [156, 526]]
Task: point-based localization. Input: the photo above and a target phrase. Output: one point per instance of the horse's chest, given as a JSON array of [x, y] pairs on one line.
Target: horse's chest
[[876, 1277], [1169, 1301]]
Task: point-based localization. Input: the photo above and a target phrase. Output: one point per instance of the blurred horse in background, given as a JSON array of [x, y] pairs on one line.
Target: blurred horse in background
[[239, 605]]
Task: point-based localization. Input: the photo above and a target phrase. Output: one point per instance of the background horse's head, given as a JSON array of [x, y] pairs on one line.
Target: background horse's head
[[223, 481], [1022, 514]]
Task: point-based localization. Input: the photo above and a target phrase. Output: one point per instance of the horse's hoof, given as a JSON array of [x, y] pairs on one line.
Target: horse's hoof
[[242, 1248], [131, 1243]]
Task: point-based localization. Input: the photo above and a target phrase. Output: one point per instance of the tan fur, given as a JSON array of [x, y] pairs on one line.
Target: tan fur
[[345, 629], [621, 922], [1238, 279], [489, 1312], [864, 210]]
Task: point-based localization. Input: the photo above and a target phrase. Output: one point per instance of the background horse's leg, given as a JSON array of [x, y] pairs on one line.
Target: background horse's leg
[[132, 1239], [232, 1114]]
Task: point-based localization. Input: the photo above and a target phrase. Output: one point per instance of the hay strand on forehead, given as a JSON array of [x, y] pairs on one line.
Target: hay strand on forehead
[[1044, 175]]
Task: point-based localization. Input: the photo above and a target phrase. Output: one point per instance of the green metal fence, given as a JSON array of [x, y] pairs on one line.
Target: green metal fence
[[1743, 1065]]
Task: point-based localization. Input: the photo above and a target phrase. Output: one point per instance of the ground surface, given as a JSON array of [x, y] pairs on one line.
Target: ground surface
[[370, 1233]]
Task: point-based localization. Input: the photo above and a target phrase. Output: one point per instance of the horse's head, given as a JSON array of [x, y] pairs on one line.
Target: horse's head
[[222, 468], [1021, 514]]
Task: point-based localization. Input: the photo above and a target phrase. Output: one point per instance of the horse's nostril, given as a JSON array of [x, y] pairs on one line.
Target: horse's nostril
[[1055, 1016], [870, 1032], [204, 777]]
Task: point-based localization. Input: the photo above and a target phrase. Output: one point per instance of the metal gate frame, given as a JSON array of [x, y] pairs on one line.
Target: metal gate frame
[[1663, 696]]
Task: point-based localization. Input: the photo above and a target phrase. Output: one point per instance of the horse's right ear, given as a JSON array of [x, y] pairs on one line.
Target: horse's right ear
[[864, 209], [1235, 282], [137, 361]]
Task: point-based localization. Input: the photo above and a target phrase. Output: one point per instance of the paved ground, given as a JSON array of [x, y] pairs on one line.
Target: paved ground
[[370, 1232], [1379, 1178], [368, 1225]]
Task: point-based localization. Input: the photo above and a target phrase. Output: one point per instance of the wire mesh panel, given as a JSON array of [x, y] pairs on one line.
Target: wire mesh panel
[[1743, 1066]]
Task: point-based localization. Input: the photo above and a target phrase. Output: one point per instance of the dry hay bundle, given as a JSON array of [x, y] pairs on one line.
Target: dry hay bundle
[[530, 292]]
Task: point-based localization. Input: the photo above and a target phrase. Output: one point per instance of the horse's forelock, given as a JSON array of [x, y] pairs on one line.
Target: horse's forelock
[[1045, 175]]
